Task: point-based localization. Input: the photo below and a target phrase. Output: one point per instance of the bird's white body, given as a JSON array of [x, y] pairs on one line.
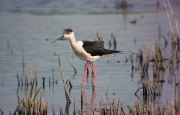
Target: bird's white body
[[86, 50], [79, 50]]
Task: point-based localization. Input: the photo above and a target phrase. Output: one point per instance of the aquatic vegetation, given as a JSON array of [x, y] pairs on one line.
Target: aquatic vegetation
[[30, 105]]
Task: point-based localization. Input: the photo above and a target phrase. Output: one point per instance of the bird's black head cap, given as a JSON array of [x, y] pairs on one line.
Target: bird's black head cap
[[67, 31]]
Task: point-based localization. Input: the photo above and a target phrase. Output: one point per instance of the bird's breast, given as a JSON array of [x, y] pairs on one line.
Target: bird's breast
[[80, 52]]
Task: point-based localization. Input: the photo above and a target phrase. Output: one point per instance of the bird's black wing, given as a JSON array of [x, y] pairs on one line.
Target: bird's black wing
[[95, 48]]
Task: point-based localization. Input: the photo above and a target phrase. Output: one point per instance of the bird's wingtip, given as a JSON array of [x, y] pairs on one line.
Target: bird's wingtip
[[121, 52]]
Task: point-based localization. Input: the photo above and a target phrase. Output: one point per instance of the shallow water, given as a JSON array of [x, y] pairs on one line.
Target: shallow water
[[80, 6], [35, 34]]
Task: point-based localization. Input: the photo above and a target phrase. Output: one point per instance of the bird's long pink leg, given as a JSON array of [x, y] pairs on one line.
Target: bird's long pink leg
[[94, 73], [85, 74]]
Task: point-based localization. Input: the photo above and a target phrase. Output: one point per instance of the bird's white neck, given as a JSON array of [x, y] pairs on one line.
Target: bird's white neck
[[72, 38]]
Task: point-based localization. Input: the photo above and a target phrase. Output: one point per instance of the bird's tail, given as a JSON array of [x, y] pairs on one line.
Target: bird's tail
[[114, 51]]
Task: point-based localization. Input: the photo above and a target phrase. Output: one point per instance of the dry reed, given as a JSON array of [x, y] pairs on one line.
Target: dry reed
[[62, 76]]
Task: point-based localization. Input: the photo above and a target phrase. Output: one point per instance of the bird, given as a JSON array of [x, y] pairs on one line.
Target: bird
[[88, 51]]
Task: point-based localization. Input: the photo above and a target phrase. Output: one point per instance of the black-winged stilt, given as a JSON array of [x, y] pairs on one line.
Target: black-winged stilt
[[89, 51]]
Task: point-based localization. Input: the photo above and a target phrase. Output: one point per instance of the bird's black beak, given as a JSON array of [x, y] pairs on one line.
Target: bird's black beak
[[58, 39]]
